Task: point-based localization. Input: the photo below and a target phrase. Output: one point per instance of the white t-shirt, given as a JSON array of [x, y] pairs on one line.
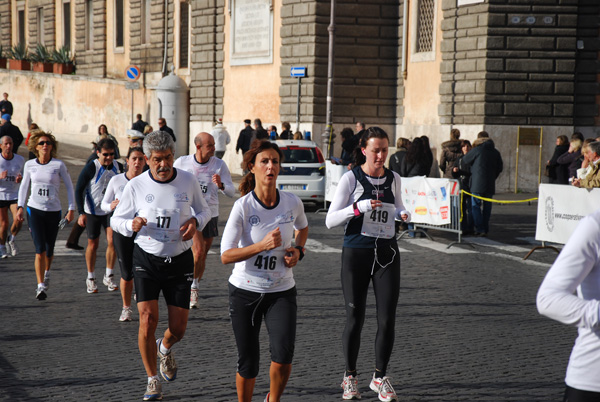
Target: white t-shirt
[[9, 188], [249, 222], [577, 268], [166, 206], [114, 191], [45, 183], [204, 173]]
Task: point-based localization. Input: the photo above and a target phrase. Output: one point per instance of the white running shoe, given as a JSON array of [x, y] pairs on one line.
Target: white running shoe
[[125, 314], [11, 247], [3, 253], [108, 281], [91, 285], [350, 386], [40, 294], [153, 391], [384, 389], [194, 298], [168, 367], [46, 282]]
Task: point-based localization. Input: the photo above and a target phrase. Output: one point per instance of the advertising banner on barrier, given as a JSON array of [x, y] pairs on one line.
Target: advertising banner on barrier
[[560, 208], [333, 174], [427, 199]]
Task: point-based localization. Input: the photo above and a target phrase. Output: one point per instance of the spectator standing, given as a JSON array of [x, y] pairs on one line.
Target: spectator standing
[[430, 158], [32, 128], [557, 173], [286, 133], [402, 145], [586, 164], [245, 138], [416, 161], [451, 151], [7, 128], [221, 137], [162, 126], [347, 156], [259, 132], [572, 158], [273, 133], [463, 174], [485, 163], [139, 124], [298, 135], [5, 106], [592, 178]]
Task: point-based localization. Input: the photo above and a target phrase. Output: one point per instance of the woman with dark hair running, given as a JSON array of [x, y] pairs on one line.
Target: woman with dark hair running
[[367, 201], [258, 239]]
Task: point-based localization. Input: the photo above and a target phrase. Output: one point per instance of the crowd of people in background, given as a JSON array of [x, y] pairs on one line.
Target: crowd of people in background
[[575, 161]]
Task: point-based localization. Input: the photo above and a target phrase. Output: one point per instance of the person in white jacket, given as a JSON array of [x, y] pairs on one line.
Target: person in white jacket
[[221, 137], [570, 294]]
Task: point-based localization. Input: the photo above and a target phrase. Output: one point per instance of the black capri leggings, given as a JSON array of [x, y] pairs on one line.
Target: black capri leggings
[[43, 226], [246, 310], [357, 264], [124, 248], [577, 395]]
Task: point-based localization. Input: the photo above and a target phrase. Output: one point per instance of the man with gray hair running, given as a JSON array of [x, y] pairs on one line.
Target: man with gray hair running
[[165, 207]]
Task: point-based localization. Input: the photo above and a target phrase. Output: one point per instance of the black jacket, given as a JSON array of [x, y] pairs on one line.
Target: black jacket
[[485, 163], [13, 132], [139, 125], [558, 174], [261, 134], [396, 160], [244, 140], [169, 130], [451, 151], [420, 167]]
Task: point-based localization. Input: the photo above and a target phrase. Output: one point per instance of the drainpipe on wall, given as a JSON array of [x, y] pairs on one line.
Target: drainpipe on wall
[[328, 134], [164, 67], [404, 33]]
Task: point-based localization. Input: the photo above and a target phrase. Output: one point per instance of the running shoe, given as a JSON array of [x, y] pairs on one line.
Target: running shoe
[[267, 397], [11, 247], [46, 282], [153, 391], [91, 285], [108, 281], [168, 367], [194, 298], [384, 389], [350, 386], [125, 314], [40, 294], [3, 253]]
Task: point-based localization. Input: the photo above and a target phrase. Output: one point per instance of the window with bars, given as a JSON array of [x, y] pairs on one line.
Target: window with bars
[[67, 24], [425, 27], [119, 24], [146, 18], [89, 25], [40, 25], [21, 25], [184, 34]]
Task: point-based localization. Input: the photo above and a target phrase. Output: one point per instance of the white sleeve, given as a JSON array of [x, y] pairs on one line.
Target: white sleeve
[[177, 163], [124, 212], [301, 221], [64, 174], [341, 210], [233, 229], [109, 196], [200, 206], [400, 209], [24, 188], [229, 188], [556, 298]]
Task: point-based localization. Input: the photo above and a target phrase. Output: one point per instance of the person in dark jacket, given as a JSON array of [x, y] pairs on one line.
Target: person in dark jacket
[[572, 158], [429, 154], [259, 132], [286, 134], [402, 145], [245, 138], [451, 151], [347, 156], [140, 124], [7, 128], [557, 173], [463, 174], [162, 126], [416, 162], [485, 163], [5, 106]]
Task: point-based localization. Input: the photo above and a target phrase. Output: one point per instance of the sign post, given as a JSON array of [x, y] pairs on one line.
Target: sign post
[[298, 72], [132, 73]]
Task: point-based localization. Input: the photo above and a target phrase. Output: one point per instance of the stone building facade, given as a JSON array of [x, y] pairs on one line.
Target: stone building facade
[[414, 68]]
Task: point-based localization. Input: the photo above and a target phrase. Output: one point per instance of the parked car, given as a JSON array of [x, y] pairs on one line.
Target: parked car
[[303, 170]]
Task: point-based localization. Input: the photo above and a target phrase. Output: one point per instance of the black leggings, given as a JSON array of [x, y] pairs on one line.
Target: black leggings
[[124, 248], [43, 226], [577, 395], [357, 264]]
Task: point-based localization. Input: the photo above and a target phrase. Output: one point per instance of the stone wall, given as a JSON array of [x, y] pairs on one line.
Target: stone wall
[[49, 34], [5, 25], [148, 56], [366, 60], [587, 87], [91, 62], [208, 37]]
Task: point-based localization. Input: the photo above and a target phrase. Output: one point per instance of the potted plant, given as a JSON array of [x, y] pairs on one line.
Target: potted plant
[[2, 58], [19, 57], [41, 59], [63, 63]]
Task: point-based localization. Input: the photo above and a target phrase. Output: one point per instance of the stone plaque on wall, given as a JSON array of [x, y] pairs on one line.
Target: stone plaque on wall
[[251, 32]]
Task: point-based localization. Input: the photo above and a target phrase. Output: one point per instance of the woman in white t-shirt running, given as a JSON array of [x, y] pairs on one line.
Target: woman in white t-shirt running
[[258, 239]]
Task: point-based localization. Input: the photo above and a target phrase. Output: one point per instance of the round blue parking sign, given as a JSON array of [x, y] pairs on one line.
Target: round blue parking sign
[[132, 73]]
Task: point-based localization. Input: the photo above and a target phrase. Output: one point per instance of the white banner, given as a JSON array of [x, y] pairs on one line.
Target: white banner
[[560, 208], [333, 174], [427, 199]]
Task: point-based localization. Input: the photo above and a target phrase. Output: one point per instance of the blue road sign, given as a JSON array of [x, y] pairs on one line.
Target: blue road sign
[[132, 73], [298, 72]]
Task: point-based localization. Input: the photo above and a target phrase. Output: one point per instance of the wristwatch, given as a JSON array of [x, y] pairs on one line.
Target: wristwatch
[[301, 249]]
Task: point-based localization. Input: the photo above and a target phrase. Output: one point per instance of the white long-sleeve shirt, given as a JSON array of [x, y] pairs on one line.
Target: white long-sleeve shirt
[[166, 206], [577, 269], [115, 188], [45, 183]]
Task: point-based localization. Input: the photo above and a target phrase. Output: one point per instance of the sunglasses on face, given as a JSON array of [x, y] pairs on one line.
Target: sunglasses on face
[[108, 154], [42, 143]]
